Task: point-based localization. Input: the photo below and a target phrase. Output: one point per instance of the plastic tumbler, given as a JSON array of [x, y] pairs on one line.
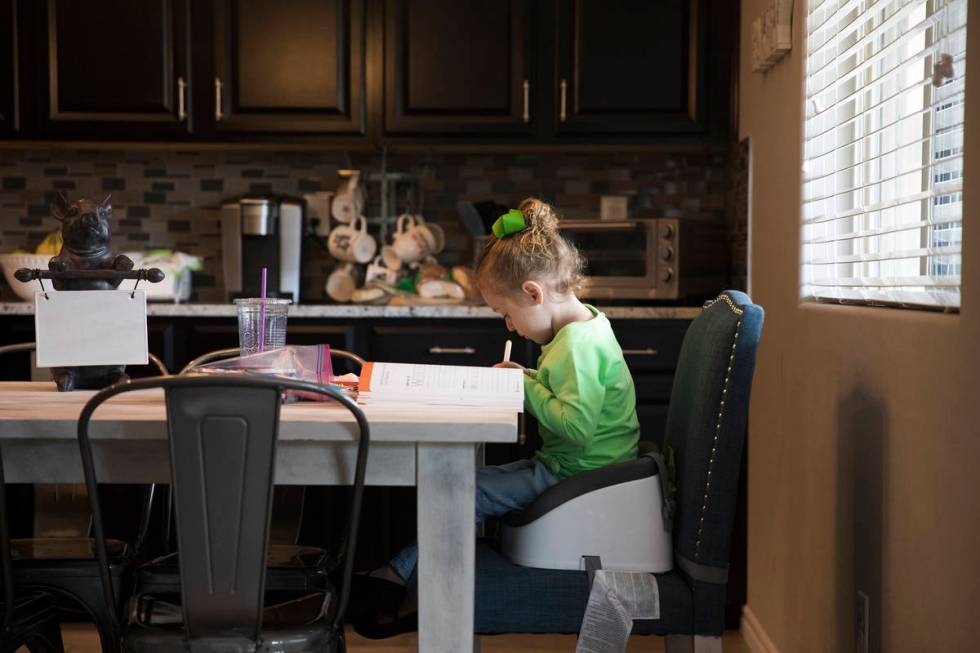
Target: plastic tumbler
[[249, 311]]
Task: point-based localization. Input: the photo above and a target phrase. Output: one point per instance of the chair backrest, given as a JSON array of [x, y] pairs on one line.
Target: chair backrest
[[31, 346], [6, 567], [706, 429], [223, 433]]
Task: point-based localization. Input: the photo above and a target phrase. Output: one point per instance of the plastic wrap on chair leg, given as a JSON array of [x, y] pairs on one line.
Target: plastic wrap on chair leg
[[616, 599]]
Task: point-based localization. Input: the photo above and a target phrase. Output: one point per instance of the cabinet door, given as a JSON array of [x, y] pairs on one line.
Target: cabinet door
[[9, 91], [476, 344], [288, 66], [630, 66], [115, 68], [457, 67]]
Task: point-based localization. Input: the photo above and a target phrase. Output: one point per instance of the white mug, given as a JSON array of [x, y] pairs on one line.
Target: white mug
[[378, 270], [411, 244], [342, 283], [352, 242], [433, 234]]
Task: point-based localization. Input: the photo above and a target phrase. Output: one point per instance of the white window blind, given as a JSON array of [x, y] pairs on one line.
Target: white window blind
[[883, 152]]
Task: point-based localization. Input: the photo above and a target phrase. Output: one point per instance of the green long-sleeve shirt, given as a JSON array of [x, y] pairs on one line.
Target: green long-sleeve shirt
[[583, 397]]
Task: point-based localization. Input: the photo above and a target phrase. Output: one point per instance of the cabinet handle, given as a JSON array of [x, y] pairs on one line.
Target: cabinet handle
[[564, 101], [218, 115], [181, 99], [452, 350], [527, 106], [649, 351]]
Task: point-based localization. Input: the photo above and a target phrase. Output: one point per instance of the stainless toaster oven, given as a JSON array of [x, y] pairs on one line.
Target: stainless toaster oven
[[657, 258]]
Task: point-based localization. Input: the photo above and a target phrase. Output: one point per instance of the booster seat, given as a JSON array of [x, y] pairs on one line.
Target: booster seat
[[620, 513]]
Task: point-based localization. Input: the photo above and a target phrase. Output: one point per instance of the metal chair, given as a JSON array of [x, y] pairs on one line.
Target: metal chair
[[223, 506], [706, 431], [66, 566], [31, 619]]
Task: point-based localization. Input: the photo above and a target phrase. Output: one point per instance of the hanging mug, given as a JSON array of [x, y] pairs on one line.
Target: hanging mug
[[342, 283], [352, 242], [410, 243], [433, 234]]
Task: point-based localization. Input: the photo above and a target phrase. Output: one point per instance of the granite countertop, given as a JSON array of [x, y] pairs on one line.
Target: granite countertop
[[365, 311]]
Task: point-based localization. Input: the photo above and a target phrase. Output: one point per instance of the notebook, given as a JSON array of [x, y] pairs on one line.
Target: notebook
[[455, 385]]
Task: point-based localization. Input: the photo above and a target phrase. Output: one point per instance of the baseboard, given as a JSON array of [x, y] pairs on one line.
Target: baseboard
[[754, 634]]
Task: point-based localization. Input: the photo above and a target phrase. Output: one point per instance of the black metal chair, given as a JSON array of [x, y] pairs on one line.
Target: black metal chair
[[223, 433], [291, 566], [67, 567], [29, 619]]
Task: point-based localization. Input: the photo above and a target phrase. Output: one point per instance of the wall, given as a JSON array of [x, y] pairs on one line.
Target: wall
[[171, 198], [864, 434]]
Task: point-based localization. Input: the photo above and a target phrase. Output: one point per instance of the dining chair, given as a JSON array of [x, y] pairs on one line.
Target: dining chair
[[26, 619], [65, 565], [705, 432], [291, 566], [223, 435]]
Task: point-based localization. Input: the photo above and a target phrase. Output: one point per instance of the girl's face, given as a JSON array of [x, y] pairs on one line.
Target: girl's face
[[524, 312]]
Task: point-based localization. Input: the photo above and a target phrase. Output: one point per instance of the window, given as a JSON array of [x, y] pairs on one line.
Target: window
[[883, 152]]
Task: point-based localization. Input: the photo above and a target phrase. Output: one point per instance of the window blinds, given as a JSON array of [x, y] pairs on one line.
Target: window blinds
[[883, 152]]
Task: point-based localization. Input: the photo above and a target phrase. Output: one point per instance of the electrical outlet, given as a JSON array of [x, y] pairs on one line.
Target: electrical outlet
[[862, 623]]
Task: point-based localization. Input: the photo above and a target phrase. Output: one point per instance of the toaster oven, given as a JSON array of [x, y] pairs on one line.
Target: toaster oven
[[658, 258]]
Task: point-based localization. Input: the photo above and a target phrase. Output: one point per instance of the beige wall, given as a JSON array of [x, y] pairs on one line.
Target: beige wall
[[864, 434]]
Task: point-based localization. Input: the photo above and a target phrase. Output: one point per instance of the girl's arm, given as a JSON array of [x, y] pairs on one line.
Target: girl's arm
[[572, 405]]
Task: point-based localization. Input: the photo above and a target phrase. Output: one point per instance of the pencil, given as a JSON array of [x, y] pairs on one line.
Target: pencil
[[507, 346]]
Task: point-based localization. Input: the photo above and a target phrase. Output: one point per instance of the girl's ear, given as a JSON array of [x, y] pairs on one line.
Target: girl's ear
[[534, 291]]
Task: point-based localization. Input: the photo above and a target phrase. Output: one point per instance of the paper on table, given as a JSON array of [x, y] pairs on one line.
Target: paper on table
[[442, 384], [90, 327], [616, 599]]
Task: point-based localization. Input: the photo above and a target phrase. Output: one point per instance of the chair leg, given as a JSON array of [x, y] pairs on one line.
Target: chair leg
[[693, 644]]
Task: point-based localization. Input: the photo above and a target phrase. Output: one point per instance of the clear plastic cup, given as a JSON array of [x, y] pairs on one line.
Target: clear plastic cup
[[248, 323]]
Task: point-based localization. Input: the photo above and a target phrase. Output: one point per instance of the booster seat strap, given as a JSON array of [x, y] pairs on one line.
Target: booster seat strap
[[666, 488], [703, 573], [592, 565]]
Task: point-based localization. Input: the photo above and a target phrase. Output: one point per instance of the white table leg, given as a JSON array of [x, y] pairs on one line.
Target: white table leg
[[446, 535]]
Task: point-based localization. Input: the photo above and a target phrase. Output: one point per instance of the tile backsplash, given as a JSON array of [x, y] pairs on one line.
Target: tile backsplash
[[172, 198]]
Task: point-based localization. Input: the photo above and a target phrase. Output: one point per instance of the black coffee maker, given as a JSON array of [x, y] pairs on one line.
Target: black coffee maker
[[262, 231]]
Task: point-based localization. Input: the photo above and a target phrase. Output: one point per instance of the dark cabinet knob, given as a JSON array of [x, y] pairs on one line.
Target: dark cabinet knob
[[666, 274]]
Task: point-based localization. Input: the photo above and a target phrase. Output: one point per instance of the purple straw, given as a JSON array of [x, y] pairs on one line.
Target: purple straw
[[265, 273]]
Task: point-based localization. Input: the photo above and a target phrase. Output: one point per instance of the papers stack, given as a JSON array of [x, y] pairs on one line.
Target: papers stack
[[451, 385]]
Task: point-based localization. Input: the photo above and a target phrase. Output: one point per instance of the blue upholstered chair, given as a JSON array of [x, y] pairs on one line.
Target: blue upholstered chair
[[706, 430]]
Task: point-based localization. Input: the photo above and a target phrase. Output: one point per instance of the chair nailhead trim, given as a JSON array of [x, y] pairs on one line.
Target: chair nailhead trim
[[714, 445], [727, 300]]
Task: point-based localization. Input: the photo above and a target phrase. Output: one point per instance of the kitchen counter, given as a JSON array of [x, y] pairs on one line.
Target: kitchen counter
[[363, 311]]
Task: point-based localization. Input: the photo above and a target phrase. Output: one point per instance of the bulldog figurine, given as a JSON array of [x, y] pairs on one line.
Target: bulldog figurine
[[85, 234]]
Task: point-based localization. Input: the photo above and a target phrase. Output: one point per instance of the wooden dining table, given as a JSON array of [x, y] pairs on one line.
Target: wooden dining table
[[431, 447]]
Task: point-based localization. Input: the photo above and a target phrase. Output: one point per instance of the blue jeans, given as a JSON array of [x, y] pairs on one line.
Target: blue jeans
[[499, 489]]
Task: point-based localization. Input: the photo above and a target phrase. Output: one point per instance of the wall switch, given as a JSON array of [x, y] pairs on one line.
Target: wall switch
[[613, 207], [862, 623]]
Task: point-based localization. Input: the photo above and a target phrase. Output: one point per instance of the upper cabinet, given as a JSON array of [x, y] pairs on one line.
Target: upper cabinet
[[111, 67], [8, 68], [457, 67], [629, 67], [287, 66]]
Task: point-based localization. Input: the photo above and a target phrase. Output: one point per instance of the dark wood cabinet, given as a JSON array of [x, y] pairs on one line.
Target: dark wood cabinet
[[110, 68], [9, 87], [457, 67], [629, 67], [287, 66]]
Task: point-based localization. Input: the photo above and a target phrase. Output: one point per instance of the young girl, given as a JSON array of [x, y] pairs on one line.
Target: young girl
[[581, 393]]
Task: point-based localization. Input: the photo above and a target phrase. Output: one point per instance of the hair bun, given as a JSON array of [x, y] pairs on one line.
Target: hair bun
[[540, 216]]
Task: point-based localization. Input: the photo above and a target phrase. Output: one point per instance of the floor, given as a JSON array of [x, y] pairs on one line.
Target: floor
[[81, 638]]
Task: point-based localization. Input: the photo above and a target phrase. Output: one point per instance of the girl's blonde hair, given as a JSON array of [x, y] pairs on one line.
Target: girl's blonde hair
[[539, 253]]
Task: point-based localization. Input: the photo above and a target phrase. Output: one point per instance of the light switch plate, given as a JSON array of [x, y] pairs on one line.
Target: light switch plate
[[613, 207]]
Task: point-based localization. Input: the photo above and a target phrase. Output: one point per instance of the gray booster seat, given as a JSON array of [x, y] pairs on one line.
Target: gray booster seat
[[621, 513]]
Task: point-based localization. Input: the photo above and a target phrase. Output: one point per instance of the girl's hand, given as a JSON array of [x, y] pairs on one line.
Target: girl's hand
[[511, 364]]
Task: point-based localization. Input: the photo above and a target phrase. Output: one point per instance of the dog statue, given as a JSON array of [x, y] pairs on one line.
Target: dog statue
[[85, 234]]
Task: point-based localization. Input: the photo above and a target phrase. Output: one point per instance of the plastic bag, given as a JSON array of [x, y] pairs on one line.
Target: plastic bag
[[301, 362]]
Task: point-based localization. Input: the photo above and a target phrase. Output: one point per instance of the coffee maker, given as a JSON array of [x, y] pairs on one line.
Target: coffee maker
[[262, 231]]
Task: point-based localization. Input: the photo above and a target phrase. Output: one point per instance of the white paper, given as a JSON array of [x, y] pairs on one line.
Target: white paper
[[446, 384], [90, 327], [616, 599]]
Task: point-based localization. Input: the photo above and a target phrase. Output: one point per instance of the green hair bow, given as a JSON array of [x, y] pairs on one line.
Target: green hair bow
[[509, 224]]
